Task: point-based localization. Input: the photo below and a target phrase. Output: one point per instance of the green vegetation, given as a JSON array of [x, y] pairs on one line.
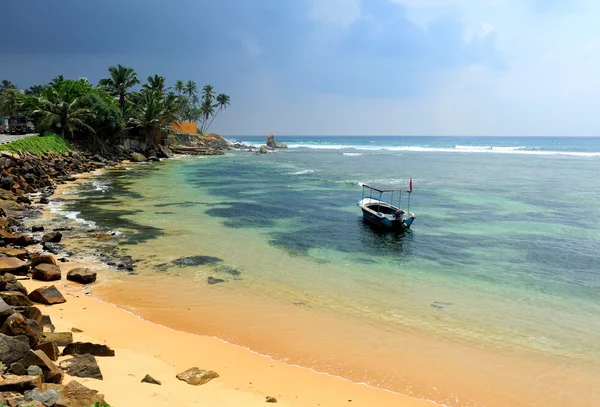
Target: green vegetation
[[102, 115], [38, 145]]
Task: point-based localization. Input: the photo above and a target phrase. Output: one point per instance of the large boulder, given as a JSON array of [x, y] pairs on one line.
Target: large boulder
[[47, 295], [271, 141], [138, 158], [13, 348], [197, 377], [45, 398], [82, 275], [82, 348], [263, 150], [75, 394], [20, 383], [46, 272], [82, 366], [5, 311], [50, 349], [52, 237], [52, 374], [59, 338], [13, 265], [10, 252], [164, 152], [9, 282], [42, 259], [18, 325], [15, 299]]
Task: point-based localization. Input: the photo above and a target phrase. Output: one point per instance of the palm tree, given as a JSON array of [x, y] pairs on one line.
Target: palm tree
[[121, 79], [179, 86], [190, 88], [155, 82], [57, 79], [62, 116], [208, 93], [207, 109], [153, 112], [6, 84], [223, 101], [36, 90], [10, 102]]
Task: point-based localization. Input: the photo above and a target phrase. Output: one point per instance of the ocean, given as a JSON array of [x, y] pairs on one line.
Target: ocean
[[497, 280]]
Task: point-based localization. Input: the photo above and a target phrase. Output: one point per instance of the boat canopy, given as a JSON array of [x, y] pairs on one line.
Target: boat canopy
[[386, 188]]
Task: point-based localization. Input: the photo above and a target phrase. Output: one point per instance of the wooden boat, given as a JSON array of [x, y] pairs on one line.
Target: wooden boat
[[382, 213]]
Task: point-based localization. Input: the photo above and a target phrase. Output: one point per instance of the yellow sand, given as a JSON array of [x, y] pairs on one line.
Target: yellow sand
[[144, 348]]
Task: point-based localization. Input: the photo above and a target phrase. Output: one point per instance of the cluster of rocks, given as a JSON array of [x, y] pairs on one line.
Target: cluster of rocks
[[30, 371], [271, 145]]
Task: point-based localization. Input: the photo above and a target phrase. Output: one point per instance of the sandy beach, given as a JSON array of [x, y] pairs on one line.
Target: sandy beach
[[141, 348]]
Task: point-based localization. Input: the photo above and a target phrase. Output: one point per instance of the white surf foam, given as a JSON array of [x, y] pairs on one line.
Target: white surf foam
[[524, 150], [58, 209]]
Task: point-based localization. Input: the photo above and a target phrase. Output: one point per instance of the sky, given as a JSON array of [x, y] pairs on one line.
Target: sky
[[335, 67]]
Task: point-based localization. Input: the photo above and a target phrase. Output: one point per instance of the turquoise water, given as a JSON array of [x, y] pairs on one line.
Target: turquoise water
[[504, 249]]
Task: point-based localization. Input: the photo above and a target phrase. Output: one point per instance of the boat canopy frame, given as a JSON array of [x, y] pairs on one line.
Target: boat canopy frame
[[382, 188]]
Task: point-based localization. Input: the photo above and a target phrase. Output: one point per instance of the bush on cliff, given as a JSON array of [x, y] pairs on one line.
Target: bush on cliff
[[38, 145]]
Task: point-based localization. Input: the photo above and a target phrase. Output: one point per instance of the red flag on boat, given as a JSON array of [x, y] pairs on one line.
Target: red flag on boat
[[411, 185]]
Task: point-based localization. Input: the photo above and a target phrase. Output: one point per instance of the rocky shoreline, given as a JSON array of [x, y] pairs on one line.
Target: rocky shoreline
[[33, 358]]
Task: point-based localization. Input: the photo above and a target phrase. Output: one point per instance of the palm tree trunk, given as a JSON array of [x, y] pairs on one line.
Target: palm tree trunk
[[212, 119]]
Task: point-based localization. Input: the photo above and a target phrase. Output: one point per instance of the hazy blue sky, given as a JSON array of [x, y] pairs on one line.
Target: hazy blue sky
[[327, 67]]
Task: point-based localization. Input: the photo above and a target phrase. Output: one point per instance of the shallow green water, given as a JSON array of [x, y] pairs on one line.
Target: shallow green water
[[504, 249]]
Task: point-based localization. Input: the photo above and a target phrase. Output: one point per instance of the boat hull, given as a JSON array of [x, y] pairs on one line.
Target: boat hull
[[383, 220]]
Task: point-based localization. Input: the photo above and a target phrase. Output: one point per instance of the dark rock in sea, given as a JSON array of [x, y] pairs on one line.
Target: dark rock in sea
[[263, 150], [53, 248], [82, 366], [192, 261], [138, 158], [37, 229], [82, 275], [52, 237], [48, 295], [151, 380], [212, 280], [13, 348], [82, 348], [196, 377], [228, 270]]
